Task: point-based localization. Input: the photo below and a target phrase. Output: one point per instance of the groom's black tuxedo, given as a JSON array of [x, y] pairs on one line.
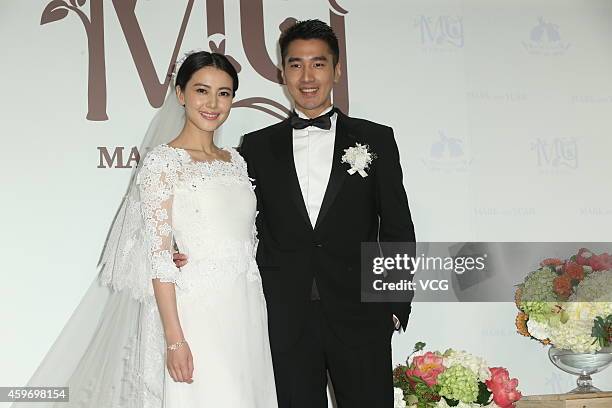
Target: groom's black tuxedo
[[292, 253]]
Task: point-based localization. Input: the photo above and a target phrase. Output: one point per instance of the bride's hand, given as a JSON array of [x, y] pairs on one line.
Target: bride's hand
[[179, 259], [180, 364]]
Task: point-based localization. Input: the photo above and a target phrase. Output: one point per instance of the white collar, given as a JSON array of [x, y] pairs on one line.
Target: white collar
[[303, 115]]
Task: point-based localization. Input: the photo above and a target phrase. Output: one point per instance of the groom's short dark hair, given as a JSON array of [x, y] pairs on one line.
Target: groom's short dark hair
[[309, 30]]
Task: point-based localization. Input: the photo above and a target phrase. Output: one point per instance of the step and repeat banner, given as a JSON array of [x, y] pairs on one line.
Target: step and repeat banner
[[501, 111]]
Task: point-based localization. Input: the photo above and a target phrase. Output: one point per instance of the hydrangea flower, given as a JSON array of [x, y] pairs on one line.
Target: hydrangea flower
[[459, 383], [575, 334], [596, 287], [478, 365], [537, 295]]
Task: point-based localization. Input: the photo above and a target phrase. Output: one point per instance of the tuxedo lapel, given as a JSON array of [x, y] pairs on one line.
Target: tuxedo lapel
[[343, 141], [282, 146]]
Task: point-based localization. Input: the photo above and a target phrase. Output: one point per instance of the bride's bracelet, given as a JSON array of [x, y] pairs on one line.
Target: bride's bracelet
[[177, 345]]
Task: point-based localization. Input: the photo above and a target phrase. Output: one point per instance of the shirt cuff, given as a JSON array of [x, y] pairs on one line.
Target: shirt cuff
[[396, 322]]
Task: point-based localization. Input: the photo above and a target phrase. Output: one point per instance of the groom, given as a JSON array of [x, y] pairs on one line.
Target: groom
[[313, 217]]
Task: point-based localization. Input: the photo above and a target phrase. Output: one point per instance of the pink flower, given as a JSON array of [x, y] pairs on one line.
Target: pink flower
[[583, 256], [503, 388], [427, 367], [551, 262], [601, 262]]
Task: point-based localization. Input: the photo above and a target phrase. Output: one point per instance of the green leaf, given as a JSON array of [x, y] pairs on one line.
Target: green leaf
[[417, 379], [419, 346], [451, 402], [483, 394], [602, 331]]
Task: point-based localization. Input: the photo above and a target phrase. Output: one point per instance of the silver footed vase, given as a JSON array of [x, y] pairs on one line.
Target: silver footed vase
[[581, 364]]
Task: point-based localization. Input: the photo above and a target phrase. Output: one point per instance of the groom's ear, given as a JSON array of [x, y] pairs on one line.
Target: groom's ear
[[337, 72]]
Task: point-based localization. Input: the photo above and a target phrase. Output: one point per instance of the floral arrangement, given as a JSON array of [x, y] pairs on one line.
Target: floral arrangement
[[568, 303], [452, 379], [359, 158]]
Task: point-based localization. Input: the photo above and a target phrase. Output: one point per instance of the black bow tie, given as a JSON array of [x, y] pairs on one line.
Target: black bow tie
[[322, 122]]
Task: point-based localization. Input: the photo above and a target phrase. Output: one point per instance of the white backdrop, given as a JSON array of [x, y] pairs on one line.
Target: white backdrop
[[500, 108]]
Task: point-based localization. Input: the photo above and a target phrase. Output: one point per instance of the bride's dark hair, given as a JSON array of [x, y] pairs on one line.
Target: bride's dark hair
[[203, 59]]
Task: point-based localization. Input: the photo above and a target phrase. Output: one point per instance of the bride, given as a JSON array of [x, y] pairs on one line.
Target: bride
[[148, 334]]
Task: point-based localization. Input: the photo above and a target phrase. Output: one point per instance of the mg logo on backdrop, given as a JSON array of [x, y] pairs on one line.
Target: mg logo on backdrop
[[440, 33], [545, 39], [447, 154], [92, 15], [556, 153]]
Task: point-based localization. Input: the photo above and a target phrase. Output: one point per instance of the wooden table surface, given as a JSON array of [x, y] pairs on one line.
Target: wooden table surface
[[595, 400]]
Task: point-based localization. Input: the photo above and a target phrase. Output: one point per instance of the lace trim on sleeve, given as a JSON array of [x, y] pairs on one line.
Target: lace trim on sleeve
[[156, 182]]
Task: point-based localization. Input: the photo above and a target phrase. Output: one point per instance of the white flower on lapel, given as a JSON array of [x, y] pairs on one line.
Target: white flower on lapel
[[359, 158]]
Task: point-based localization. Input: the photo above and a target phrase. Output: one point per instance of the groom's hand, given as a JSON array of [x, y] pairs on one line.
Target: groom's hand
[[180, 260]]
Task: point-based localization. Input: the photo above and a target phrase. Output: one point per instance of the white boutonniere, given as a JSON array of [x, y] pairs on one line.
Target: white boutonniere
[[359, 158]]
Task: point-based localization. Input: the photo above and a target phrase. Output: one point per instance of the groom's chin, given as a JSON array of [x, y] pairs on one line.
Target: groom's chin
[[310, 104]]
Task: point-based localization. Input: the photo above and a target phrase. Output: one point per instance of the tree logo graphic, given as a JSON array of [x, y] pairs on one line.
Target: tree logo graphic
[[545, 39], [446, 147], [447, 154]]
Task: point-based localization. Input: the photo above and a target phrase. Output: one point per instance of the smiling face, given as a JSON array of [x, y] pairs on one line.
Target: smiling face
[[309, 72], [207, 98]]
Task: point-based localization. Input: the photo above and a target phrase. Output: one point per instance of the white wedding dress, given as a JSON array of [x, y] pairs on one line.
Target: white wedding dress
[[112, 352], [208, 209]]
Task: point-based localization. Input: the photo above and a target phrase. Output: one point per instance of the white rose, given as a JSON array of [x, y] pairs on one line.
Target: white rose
[[398, 398], [538, 330]]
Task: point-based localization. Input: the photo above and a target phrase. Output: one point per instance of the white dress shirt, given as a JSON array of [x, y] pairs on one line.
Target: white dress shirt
[[313, 152]]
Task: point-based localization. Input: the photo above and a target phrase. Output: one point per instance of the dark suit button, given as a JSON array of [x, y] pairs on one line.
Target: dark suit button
[[318, 245]]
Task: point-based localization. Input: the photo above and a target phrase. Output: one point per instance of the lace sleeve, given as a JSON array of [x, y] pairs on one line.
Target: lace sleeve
[[155, 183]]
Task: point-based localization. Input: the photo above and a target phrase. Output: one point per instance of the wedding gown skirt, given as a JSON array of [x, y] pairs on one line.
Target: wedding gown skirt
[[221, 304], [112, 351]]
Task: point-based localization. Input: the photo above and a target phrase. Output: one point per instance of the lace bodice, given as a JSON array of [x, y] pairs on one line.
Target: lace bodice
[[206, 209]]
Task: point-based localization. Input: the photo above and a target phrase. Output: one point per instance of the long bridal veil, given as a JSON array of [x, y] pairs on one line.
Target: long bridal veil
[[111, 351]]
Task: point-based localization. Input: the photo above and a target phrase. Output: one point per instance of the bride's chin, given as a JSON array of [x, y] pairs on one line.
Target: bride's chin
[[208, 126]]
